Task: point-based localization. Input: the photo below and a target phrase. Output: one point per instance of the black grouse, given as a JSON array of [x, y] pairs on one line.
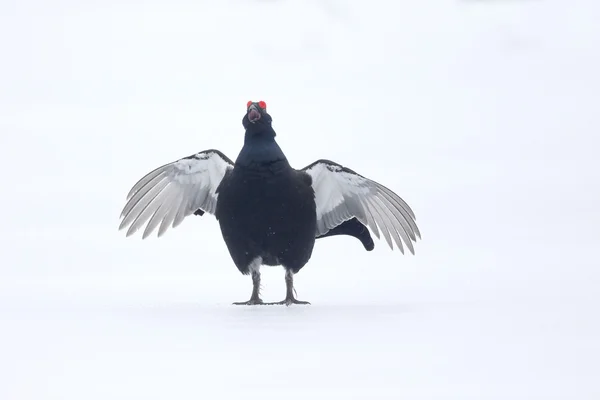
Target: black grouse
[[269, 213]]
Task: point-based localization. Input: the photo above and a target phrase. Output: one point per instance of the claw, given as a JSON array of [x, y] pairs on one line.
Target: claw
[[287, 302], [251, 302]]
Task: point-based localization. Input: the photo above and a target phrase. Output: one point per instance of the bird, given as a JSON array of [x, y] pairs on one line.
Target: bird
[[269, 213]]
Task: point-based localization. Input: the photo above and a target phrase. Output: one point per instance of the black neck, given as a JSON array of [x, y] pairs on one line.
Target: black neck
[[260, 150]]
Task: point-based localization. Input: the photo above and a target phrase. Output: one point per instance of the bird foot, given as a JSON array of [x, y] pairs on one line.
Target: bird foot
[[288, 302], [252, 302]]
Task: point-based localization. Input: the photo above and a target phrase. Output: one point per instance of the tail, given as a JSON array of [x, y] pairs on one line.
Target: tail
[[353, 227]]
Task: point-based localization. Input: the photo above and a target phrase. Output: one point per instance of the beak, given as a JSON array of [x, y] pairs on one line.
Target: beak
[[254, 113]]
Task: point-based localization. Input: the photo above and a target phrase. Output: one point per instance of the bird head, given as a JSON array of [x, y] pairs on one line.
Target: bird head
[[256, 118]]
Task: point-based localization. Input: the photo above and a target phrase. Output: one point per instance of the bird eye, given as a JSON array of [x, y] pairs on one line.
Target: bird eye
[[248, 104], [262, 105]]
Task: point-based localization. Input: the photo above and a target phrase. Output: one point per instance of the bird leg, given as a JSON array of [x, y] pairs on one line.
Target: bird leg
[[255, 298], [289, 297]]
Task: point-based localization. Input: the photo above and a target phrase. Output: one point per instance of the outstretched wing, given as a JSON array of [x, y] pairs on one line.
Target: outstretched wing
[[341, 194], [170, 193]]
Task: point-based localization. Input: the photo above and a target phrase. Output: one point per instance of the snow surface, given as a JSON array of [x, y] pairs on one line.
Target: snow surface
[[482, 115]]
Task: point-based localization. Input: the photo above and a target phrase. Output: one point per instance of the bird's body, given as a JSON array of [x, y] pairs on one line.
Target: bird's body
[[269, 213]]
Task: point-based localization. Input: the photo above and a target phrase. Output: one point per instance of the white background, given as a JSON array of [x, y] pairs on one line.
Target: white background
[[482, 115]]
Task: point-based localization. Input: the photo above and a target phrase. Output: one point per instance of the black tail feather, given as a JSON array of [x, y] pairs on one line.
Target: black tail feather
[[353, 227]]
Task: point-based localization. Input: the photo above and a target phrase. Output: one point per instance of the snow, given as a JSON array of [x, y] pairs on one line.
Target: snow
[[482, 115]]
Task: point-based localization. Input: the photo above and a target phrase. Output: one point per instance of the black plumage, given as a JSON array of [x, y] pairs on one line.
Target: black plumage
[[351, 227], [269, 213]]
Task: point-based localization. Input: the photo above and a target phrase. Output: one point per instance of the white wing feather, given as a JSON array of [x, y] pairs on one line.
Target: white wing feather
[[174, 191], [341, 194]]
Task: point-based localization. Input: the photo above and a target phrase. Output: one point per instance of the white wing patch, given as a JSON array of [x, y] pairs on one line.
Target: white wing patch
[[174, 191], [342, 194]]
